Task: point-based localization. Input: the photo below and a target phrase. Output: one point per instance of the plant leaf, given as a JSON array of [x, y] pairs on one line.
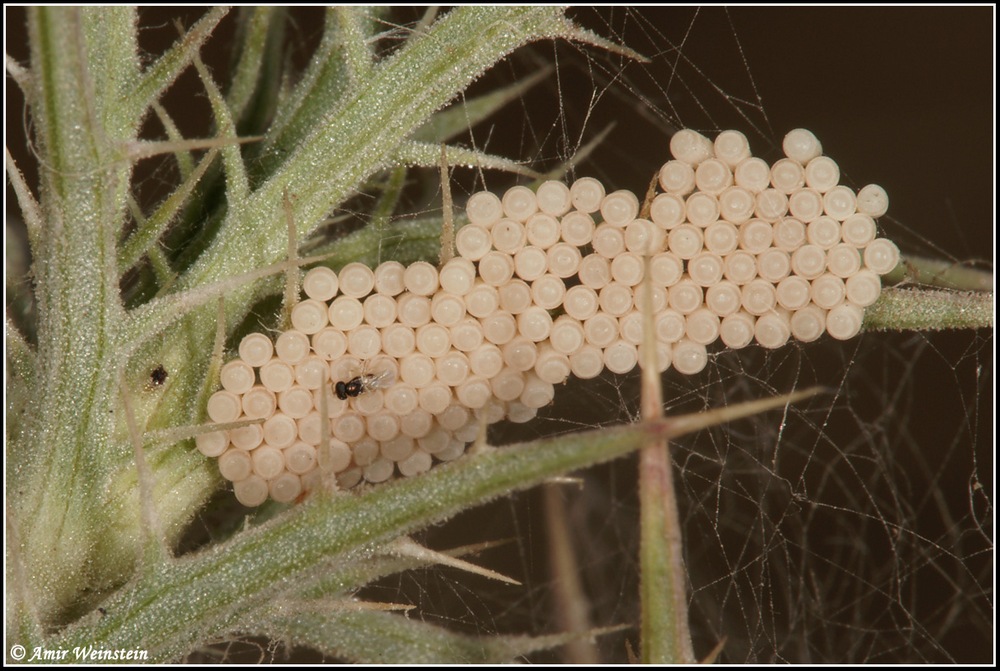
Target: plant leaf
[[465, 114], [207, 594], [352, 635], [258, 25], [427, 155], [150, 230], [161, 74]]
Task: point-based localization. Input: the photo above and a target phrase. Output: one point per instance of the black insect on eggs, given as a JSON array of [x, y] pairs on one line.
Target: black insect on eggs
[[352, 388], [362, 383]]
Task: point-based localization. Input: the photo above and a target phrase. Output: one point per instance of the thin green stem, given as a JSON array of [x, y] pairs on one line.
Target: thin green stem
[[940, 273], [930, 310], [664, 634]]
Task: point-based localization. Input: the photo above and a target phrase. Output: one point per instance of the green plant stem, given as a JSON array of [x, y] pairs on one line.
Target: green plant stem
[[255, 26], [665, 637], [940, 273], [79, 317], [930, 310]]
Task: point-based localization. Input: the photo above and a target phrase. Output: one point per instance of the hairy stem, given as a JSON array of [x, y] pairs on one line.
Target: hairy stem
[[930, 310]]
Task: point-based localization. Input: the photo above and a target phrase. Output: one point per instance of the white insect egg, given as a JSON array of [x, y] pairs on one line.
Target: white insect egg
[[701, 209], [473, 242], [731, 147], [873, 201], [586, 194], [736, 204], [737, 330], [356, 280], [554, 198], [519, 203], [713, 176], [389, 278], [801, 146], [677, 178], [691, 147], [256, 349], [787, 176], [237, 376], [822, 173], [620, 207], [320, 283], [484, 209], [752, 174]]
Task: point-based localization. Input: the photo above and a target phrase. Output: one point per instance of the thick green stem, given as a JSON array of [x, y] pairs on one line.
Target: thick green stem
[[930, 310], [665, 637], [57, 499]]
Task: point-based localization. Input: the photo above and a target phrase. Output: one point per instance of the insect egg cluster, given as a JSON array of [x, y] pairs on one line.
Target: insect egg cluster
[[547, 284]]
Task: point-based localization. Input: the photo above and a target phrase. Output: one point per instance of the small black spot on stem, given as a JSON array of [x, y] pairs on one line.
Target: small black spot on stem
[[158, 376]]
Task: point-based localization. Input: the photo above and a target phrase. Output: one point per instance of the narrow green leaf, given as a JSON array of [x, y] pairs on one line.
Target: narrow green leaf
[[392, 190], [366, 636], [320, 90], [465, 114], [362, 133], [151, 318], [185, 163], [30, 209], [150, 230], [571, 31], [237, 184], [405, 241], [142, 149], [356, 29], [349, 574], [165, 276], [254, 30], [161, 74], [21, 76], [427, 155]]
